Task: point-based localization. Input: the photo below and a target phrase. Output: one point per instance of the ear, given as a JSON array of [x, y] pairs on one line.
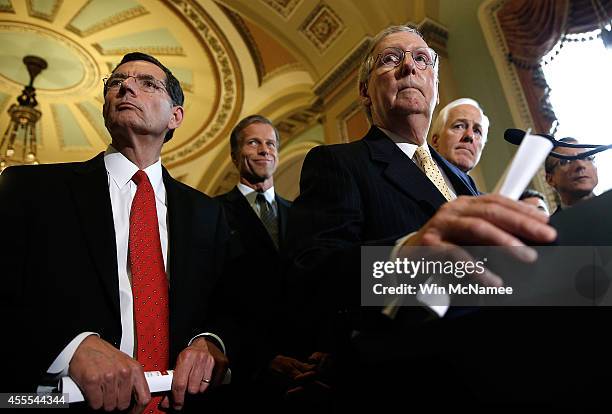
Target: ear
[[434, 141], [549, 179], [363, 95], [177, 117]]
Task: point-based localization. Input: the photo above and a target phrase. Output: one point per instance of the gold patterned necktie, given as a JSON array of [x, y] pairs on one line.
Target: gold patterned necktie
[[431, 170]]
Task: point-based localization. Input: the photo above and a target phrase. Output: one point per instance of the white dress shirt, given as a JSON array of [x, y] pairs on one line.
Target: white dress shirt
[[442, 303], [251, 195], [122, 189]]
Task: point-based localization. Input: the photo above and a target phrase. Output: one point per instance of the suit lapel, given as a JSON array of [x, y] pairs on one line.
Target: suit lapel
[[246, 216], [460, 180], [89, 187], [283, 215], [400, 170]]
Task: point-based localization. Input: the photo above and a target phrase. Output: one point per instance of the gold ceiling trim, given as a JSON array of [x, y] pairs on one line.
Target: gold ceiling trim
[[327, 85], [248, 39], [228, 102], [39, 15], [151, 50], [322, 27], [283, 7], [91, 72], [7, 8], [113, 20]]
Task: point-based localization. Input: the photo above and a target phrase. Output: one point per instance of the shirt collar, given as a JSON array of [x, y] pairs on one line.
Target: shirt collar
[[121, 171], [407, 148], [250, 194]]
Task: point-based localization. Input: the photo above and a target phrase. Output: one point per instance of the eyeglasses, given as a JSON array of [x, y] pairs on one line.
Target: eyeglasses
[[422, 56], [564, 163], [145, 83]]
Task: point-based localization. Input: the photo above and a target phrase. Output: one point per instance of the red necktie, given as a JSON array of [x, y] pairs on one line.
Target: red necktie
[[149, 282]]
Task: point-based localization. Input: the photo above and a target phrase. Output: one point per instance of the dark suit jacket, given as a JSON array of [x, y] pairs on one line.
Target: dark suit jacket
[[61, 262], [363, 193], [257, 282]]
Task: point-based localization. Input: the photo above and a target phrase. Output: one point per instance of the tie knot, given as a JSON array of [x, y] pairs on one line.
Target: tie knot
[[261, 199], [422, 154], [139, 177]]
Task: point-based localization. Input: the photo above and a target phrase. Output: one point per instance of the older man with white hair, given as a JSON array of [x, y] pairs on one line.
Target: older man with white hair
[[459, 133]]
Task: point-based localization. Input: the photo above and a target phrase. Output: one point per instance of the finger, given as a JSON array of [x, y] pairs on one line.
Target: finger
[[142, 396], [497, 199], [165, 402], [93, 393], [212, 373], [109, 387], [295, 391], [512, 216], [305, 377], [124, 388], [197, 374], [180, 379]]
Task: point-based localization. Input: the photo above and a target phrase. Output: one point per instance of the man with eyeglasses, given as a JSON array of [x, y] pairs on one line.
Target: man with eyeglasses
[[574, 180], [389, 188], [120, 266]]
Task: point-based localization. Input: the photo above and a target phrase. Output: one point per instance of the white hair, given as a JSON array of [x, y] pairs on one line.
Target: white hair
[[440, 121]]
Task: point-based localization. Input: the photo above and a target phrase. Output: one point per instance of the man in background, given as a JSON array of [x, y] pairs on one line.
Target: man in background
[[536, 199], [574, 180], [459, 133], [257, 217]]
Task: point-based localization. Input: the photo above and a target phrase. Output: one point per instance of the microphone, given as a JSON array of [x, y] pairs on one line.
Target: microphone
[[515, 136]]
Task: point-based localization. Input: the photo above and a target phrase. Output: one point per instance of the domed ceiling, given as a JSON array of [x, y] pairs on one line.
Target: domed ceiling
[[82, 41], [285, 59]]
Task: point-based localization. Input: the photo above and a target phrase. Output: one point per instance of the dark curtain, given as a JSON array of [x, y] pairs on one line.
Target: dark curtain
[[531, 30]]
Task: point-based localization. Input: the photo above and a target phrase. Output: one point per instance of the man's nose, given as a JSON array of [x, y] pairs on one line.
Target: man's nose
[[468, 136], [262, 149], [408, 65], [129, 83]]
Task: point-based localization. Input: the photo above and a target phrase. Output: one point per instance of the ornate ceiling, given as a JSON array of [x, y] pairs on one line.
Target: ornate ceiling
[[286, 59]]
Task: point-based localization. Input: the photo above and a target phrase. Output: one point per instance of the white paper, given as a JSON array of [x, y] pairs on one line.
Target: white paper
[[531, 154], [157, 381]]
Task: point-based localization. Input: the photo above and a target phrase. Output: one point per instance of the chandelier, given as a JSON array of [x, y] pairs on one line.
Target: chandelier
[[18, 145]]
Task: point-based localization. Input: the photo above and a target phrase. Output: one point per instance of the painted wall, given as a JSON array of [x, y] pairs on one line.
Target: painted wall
[[475, 77]]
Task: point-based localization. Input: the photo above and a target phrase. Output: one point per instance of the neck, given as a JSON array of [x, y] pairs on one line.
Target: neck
[[141, 150], [412, 128], [569, 200], [259, 186]]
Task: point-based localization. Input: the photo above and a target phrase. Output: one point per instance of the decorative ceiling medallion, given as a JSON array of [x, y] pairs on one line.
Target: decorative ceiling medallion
[[283, 7], [322, 27], [6, 6], [229, 102], [41, 9], [72, 70], [97, 15]]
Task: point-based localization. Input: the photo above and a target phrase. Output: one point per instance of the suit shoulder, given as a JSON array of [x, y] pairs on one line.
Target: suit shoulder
[[346, 152]]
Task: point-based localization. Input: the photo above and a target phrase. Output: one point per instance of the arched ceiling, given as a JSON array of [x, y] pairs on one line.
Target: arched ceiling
[[233, 58]]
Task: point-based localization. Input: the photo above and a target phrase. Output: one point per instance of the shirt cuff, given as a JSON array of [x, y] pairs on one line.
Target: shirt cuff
[[228, 374], [439, 309], [59, 367], [210, 335]]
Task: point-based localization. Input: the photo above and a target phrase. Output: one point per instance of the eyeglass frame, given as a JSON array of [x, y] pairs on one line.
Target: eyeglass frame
[[563, 162], [403, 56], [157, 82]]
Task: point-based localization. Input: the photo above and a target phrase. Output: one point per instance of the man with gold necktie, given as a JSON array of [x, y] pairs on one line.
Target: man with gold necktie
[[120, 260]]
